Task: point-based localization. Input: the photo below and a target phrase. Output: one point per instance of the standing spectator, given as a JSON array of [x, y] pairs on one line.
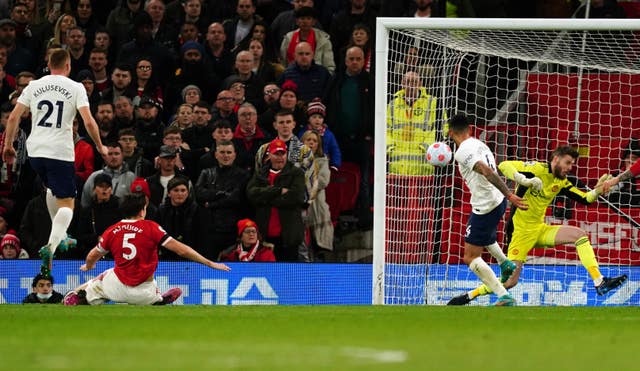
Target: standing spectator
[[102, 41], [224, 108], [360, 36], [64, 23], [287, 100], [149, 127], [311, 78], [166, 171], [318, 40], [86, 20], [316, 111], [10, 248], [198, 136], [249, 247], [114, 167], [342, 24], [180, 216], [162, 31], [277, 190], [98, 61], [84, 157], [248, 137], [132, 155], [221, 191], [252, 84], [18, 58], [79, 54], [35, 225], [286, 21], [121, 78], [319, 217], [120, 21], [144, 46], [350, 117], [85, 77], [222, 132], [124, 113], [42, 291], [94, 219], [216, 51], [263, 68], [237, 28]]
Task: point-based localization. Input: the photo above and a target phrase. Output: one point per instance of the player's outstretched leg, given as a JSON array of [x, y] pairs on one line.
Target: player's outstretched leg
[[506, 270], [610, 283], [463, 299], [170, 296], [46, 256]]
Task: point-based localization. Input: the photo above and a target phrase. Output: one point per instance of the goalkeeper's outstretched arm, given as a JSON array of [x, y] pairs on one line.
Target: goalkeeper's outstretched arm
[[493, 178]]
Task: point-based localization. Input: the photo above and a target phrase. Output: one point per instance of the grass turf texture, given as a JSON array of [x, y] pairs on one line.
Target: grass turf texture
[[119, 337]]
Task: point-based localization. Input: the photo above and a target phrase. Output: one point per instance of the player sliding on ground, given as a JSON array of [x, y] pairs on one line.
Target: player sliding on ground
[[489, 195], [133, 243], [539, 183]]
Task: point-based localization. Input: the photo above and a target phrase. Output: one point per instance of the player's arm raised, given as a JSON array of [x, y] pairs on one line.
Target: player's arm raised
[[187, 252], [92, 129], [493, 178], [8, 152]]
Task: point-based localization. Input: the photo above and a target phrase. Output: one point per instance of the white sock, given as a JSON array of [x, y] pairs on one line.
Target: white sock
[[52, 204], [59, 227], [495, 251], [486, 275]]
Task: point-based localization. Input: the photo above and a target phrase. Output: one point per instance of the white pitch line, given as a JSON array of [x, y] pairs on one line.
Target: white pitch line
[[377, 355]]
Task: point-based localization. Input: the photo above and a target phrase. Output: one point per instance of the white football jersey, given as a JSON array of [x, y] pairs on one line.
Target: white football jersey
[[53, 101], [484, 195]]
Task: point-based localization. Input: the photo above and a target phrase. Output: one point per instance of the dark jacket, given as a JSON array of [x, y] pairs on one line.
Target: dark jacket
[[289, 205], [92, 222], [312, 82], [184, 223], [366, 109], [32, 298]]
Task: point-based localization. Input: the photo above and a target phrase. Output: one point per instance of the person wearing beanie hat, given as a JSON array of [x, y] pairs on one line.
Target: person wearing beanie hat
[[10, 247], [192, 45], [288, 100], [177, 181], [249, 247], [316, 112], [42, 291]]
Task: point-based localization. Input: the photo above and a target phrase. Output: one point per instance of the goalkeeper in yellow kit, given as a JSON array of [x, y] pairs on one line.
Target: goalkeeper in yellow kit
[[539, 183]]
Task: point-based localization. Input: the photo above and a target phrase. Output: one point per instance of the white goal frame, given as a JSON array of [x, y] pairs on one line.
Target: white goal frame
[[384, 25]]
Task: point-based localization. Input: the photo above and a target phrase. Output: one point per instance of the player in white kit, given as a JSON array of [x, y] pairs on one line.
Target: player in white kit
[[489, 195], [53, 101], [133, 242]]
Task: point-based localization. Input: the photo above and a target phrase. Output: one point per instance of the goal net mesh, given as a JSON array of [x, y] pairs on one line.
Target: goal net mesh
[[526, 92]]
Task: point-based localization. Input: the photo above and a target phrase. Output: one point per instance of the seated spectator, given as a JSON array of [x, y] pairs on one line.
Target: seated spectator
[[264, 69], [627, 193], [245, 78], [85, 77], [149, 127], [198, 136], [114, 167], [277, 190], [271, 96], [316, 111], [250, 247], [318, 41], [124, 113], [94, 219], [98, 66], [121, 78], [185, 163], [237, 28], [10, 247], [319, 216], [220, 190], [216, 51], [224, 108], [287, 100], [360, 36], [181, 217], [146, 82], [191, 94], [140, 185], [42, 291]]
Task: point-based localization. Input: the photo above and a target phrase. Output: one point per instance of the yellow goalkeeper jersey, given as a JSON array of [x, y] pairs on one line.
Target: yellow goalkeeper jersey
[[540, 200]]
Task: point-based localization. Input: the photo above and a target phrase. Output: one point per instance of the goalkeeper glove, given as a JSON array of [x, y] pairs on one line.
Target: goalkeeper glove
[[535, 183], [597, 191]]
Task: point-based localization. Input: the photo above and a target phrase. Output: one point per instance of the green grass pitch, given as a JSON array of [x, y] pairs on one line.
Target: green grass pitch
[[120, 337]]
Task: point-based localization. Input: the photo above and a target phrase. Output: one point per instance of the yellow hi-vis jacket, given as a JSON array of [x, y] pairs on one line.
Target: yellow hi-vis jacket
[[410, 131]]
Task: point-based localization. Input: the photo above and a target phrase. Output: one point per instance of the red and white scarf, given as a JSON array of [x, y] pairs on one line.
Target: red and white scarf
[[295, 39], [247, 256]]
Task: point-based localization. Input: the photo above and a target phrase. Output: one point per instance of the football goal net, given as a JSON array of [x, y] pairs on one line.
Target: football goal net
[[528, 86]]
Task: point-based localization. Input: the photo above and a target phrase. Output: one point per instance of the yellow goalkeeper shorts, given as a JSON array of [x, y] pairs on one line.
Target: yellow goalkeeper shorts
[[526, 238]]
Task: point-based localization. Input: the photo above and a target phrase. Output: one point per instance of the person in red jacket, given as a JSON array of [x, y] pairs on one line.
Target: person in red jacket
[[249, 247], [84, 157]]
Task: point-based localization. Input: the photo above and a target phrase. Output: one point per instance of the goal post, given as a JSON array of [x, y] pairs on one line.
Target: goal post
[[528, 85]]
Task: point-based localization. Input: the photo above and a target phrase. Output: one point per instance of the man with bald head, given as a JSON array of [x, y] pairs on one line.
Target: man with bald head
[[350, 107], [312, 79], [220, 57]]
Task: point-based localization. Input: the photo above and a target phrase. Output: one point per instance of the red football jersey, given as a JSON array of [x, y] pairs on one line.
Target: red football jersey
[[134, 247]]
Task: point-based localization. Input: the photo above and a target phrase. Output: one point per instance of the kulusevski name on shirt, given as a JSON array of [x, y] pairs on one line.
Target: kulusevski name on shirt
[[55, 88]]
